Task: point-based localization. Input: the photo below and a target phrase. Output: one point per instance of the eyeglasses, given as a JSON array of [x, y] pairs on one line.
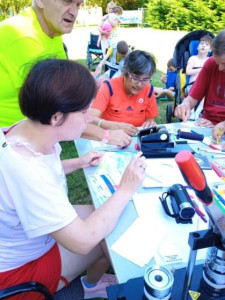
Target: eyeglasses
[[70, 1], [135, 79]]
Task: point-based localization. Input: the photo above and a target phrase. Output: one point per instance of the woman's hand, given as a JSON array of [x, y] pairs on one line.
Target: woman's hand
[[130, 129], [148, 124], [92, 158], [119, 138], [134, 174]]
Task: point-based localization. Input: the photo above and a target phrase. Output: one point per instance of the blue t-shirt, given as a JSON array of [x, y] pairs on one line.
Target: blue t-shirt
[[171, 78]]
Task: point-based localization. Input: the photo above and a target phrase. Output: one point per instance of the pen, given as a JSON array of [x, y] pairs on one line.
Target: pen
[[212, 151], [108, 183], [197, 212], [197, 208], [219, 197], [215, 148], [217, 170], [217, 156], [219, 204], [217, 138]]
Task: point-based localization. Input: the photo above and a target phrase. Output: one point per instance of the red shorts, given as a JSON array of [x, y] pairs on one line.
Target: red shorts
[[46, 270]]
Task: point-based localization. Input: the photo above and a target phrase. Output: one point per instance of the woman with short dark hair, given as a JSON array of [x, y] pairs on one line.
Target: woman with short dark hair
[[53, 241], [128, 102]]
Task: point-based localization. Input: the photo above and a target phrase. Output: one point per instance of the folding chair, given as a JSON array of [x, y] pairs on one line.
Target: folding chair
[[25, 287], [73, 291], [94, 53]]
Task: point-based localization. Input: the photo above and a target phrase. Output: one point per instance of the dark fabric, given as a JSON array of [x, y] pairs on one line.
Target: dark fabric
[[73, 292], [183, 45]]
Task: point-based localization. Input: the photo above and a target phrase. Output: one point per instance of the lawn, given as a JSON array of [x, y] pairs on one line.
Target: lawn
[[77, 186]]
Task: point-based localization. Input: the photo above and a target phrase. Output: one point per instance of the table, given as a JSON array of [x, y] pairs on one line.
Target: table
[[123, 268]]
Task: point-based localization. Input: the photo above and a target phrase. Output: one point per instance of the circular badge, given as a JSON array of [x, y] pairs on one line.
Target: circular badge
[[163, 136], [141, 100]]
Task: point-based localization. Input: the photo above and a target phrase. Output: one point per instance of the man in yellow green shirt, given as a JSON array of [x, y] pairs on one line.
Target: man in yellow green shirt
[[35, 33]]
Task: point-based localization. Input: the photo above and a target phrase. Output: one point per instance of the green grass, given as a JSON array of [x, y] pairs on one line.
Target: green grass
[[77, 187]]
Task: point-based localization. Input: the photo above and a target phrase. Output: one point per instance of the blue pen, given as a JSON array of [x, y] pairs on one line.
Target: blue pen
[[108, 183], [203, 219], [220, 198]]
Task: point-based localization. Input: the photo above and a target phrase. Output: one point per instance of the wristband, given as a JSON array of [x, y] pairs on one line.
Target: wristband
[[105, 136], [99, 122]]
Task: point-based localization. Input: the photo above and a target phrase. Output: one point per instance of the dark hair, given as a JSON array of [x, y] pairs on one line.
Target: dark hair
[[218, 44], [122, 47], [206, 38], [56, 85], [170, 63], [139, 63]]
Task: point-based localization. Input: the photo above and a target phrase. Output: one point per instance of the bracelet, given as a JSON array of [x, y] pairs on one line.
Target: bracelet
[[105, 136], [100, 122]]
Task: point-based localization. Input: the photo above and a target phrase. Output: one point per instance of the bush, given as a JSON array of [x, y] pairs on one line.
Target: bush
[[187, 15]]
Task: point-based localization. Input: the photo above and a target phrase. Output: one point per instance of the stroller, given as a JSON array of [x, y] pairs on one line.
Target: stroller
[[94, 53], [185, 47]]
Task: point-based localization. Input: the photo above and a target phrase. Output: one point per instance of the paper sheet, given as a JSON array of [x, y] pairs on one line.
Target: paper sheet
[[138, 243], [112, 167], [154, 234], [162, 172], [114, 163], [212, 178], [96, 145]]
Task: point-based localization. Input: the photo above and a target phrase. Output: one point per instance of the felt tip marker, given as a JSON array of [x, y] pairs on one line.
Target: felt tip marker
[[217, 138], [212, 151]]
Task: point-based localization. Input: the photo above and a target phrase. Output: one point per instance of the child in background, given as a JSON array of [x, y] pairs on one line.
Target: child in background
[[194, 66], [196, 62], [169, 80], [108, 24]]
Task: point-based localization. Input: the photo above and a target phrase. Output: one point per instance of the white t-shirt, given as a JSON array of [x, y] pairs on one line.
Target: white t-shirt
[[33, 203]]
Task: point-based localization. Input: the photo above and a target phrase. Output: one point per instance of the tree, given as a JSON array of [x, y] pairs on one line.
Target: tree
[[186, 15], [8, 7], [125, 4]]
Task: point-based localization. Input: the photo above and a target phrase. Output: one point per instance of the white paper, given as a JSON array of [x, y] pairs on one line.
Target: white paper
[[162, 172], [100, 146], [138, 243], [172, 238], [212, 178]]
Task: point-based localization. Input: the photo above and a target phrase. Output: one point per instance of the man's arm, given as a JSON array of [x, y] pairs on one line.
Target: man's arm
[[183, 110]]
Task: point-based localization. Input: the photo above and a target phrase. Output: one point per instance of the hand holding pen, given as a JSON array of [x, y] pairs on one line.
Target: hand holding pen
[[218, 131]]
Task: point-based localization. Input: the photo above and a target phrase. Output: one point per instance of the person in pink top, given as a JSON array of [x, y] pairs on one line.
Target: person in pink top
[[110, 21]]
